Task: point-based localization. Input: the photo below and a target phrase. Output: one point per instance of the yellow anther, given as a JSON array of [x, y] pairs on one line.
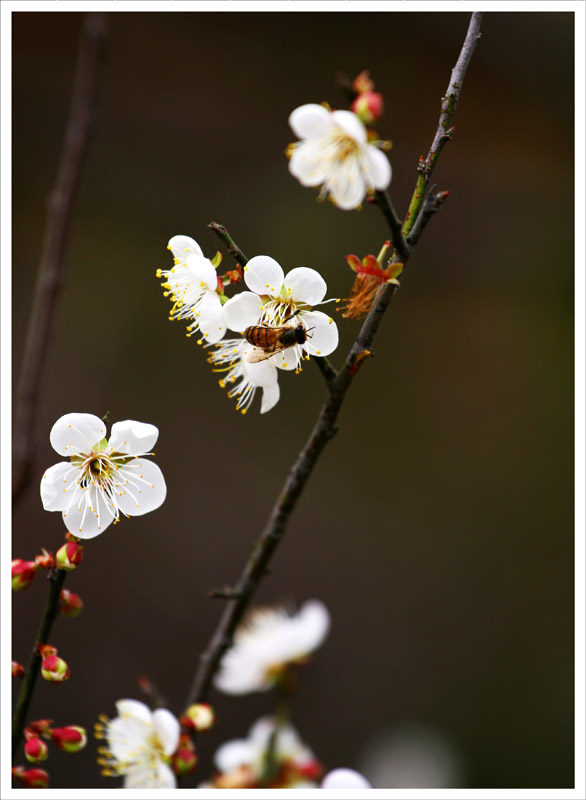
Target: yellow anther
[[318, 352], [266, 284], [158, 273], [169, 247], [284, 363], [244, 410], [245, 269], [330, 320]]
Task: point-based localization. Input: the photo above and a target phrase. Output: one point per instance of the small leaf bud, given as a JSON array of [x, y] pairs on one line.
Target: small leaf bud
[[54, 669], [31, 778], [69, 556], [71, 738], [198, 717], [17, 670], [368, 107], [35, 750], [23, 574], [71, 603]]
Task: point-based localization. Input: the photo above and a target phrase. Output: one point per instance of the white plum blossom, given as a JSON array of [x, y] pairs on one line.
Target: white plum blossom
[[243, 378], [192, 286], [334, 153], [276, 300], [103, 477], [267, 642], [343, 778], [139, 744], [241, 763]]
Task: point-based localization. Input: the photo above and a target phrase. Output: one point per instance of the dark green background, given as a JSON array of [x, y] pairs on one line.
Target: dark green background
[[438, 526]]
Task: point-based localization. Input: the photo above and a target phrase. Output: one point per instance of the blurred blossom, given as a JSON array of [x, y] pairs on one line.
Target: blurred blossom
[[140, 743], [344, 779], [268, 641], [273, 756], [334, 153], [103, 477], [412, 757]]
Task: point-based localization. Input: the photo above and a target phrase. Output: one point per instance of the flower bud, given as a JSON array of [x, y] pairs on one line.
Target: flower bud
[[17, 670], [23, 574], [54, 669], [368, 107], [363, 82], [183, 761], [198, 717], [71, 738], [35, 750], [40, 727], [31, 778], [69, 556], [71, 603]]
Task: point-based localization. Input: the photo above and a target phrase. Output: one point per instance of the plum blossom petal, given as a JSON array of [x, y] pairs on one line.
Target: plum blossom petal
[[322, 333], [346, 185], [345, 779], [203, 270], [380, 168], [212, 323], [132, 437], [270, 397], [242, 310], [76, 433], [183, 246], [140, 489], [233, 754], [305, 285], [350, 124], [168, 730], [241, 377], [55, 481], [308, 165], [310, 120], [263, 275]]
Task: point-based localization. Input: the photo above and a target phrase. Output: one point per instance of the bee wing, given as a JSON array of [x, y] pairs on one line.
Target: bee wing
[[261, 354]]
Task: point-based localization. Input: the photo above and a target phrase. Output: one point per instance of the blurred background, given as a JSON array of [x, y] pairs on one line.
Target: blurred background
[[438, 524]]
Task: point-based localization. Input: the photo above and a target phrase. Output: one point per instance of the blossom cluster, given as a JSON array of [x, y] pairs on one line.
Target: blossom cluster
[[275, 319]]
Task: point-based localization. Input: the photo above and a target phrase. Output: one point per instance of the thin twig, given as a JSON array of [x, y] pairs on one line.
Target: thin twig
[[56, 581], [383, 200], [324, 429], [444, 130], [51, 267], [222, 233]]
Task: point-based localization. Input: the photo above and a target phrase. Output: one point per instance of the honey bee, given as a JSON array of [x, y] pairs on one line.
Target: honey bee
[[270, 341]]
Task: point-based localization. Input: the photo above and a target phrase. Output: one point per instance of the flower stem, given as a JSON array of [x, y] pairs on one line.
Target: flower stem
[[56, 580], [222, 233], [257, 565]]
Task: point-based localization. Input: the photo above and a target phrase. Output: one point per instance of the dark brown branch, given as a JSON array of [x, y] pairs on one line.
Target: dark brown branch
[[324, 429], [383, 200], [51, 267], [325, 368], [56, 581]]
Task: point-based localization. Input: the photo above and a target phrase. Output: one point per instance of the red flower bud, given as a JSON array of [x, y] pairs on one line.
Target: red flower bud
[[363, 82], [368, 106], [17, 670], [198, 717], [71, 603], [31, 778], [23, 574], [71, 738], [54, 669], [40, 727], [183, 761], [69, 556], [35, 750]]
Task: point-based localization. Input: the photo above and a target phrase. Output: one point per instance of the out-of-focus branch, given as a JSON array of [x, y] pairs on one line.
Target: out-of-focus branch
[[51, 267], [240, 595], [444, 130], [56, 581]]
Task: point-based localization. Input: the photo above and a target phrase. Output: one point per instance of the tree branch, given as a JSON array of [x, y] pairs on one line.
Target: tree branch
[[51, 267], [383, 200], [444, 130], [222, 233], [257, 565]]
